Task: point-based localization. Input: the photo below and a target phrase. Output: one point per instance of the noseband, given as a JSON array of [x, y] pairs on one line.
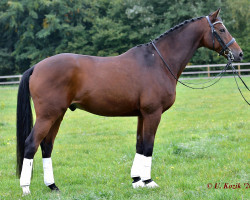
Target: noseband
[[225, 47]]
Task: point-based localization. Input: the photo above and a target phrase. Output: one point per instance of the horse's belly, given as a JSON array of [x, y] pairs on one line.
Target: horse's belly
[[109, 107], [108, 111]]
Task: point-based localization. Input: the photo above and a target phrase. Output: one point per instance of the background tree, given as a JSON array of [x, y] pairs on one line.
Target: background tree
[[32, 31]]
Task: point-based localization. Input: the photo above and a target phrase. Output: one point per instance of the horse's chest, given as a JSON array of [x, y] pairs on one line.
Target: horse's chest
[[168, 102], [168, 98]]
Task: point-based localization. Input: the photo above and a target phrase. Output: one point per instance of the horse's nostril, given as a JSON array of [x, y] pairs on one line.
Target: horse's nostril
[[241, 54]]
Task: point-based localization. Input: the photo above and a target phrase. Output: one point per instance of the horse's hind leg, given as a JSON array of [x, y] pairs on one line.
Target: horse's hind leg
[[47, 147], [141, 169], [38, 133]]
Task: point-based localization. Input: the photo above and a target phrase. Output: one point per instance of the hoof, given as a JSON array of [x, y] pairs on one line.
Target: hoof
[[138, 184], [53, 187], [72, 107], [26, 190], [150, 184]]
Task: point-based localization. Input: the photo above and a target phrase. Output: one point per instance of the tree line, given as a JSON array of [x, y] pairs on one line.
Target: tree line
[[33, 30]]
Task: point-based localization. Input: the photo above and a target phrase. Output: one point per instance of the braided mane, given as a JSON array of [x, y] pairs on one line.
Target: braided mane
[[174, 28]]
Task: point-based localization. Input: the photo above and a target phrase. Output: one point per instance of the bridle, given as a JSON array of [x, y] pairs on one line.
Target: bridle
[[225, 47], [225, 51]]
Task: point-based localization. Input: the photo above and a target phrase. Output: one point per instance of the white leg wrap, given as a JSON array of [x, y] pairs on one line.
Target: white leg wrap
[[142, 168], [48, 171], [26, 172], [137, 165], [146, 172]]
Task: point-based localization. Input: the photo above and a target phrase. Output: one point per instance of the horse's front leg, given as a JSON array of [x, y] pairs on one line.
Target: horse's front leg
[[138, 160], [141, 169]]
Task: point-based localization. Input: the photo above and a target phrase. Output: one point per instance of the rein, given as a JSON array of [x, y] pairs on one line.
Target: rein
[[225, 50], [183, 83], [235, 73]]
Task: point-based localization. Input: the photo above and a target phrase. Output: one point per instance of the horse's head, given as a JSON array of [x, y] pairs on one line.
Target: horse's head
[[218, 38]]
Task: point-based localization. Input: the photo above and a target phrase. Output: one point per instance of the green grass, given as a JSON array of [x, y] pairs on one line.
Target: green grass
[[204, 138]]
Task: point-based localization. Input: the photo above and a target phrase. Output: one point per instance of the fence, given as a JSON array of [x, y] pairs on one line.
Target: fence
[[14, 79], [211, 70], [242, 69]]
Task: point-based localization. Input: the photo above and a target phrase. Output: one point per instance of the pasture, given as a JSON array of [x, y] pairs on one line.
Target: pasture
[[202, 140]]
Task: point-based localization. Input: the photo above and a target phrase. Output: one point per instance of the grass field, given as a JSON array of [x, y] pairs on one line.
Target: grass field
[[203, 139]]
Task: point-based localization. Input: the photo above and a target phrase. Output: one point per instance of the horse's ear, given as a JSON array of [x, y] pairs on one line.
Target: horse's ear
[[214, 15]]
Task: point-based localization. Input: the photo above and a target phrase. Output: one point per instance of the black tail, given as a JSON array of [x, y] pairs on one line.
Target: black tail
[[24, 121]]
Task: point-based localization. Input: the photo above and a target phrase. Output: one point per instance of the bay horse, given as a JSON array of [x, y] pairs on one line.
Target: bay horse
[[135, 83]]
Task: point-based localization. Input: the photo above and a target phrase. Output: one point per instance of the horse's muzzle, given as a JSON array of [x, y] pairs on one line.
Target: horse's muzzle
[[237, 56]]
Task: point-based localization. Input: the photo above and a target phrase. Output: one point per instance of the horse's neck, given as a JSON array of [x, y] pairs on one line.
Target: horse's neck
[[178, 47]]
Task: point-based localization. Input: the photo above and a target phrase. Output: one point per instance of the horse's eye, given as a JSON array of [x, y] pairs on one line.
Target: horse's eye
[[222, 30]]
